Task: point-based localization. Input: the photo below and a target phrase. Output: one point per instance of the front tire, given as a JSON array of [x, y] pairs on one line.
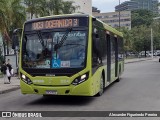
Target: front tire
[[46, 96], [118, 79]]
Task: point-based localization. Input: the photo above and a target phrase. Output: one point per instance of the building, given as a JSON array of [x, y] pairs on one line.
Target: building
[[112, 18], [127, 6], [95, 10], [138, 4], [85, 6], [148, 4]]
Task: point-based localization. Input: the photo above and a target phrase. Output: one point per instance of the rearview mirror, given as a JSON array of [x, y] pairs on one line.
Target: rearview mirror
[[15, 38]]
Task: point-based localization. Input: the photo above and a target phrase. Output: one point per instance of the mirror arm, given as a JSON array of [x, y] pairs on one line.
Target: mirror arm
[[17, 30]]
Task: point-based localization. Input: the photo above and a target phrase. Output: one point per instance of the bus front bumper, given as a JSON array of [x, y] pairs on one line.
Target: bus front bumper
[[83, 89]]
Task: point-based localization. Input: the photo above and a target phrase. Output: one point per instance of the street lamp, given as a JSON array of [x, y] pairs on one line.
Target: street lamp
[[151, 42], [119, 15]]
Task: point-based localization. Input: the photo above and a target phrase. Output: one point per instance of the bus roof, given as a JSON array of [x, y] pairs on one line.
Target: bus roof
[[58, 16], [109, 28]]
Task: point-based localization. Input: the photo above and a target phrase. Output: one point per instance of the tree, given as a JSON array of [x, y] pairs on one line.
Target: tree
[[142, 22], [12, 15], [56, 7], [141, 38], [49, 7], [142, 17], [34, 7], [156, 34], [127, 36], [68, 7]]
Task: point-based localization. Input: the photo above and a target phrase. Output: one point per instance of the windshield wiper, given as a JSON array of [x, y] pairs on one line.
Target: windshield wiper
[[59, 45]]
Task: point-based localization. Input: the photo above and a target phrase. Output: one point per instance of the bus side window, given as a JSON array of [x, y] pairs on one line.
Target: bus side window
[[120, 49], [96, 50]]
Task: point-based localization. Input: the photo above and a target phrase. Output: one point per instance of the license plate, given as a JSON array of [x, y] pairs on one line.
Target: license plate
[[51, 92]]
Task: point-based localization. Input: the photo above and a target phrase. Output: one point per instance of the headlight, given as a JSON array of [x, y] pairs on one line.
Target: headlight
[[80, 79], [26, 79], [23, 76]]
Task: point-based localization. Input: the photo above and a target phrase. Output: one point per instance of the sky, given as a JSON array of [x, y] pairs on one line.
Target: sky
[[106, 5]]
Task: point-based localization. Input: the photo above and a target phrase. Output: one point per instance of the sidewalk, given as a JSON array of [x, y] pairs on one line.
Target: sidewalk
[[137, 60], [14, 85]]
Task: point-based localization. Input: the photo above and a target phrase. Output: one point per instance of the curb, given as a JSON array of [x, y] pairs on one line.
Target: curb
[[137, 61], [10, 90]]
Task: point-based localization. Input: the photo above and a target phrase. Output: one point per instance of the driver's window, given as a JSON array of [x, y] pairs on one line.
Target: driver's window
[[94, 49], [33, 47]]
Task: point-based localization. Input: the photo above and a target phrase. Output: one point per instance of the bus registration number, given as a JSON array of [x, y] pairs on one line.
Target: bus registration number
[[51, 92]]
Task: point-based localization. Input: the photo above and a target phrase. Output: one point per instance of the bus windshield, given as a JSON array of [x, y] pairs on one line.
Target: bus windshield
[[38, 50]]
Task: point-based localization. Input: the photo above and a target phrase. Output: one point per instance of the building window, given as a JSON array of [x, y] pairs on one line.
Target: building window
[[99, 17]]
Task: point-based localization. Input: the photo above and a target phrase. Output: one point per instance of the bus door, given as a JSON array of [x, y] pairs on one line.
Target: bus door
[[116, 56], [108, 57]]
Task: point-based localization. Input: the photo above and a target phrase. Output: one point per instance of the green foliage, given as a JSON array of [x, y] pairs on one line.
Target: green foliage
[[156, 34], [33, 7], [49, 7], [139, 37], [12, 15], [68, 4], [127, 38], [10, 12], [142, 17]]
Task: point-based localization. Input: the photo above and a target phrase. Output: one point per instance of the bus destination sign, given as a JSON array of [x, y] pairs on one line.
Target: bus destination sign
[[59, 23]]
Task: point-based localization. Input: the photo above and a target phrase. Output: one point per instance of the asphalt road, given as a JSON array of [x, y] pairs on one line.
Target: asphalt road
[[138, 90]]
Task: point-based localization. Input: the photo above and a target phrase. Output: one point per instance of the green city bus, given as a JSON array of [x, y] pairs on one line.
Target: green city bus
[[74, 54]]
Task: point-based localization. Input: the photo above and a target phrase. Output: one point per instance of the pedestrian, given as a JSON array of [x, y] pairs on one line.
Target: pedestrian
[[3, 70], [9, 70]]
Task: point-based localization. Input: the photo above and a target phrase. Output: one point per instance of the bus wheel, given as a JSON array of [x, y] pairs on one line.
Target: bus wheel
[[118, 79], [101, 86], [46, 96]]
